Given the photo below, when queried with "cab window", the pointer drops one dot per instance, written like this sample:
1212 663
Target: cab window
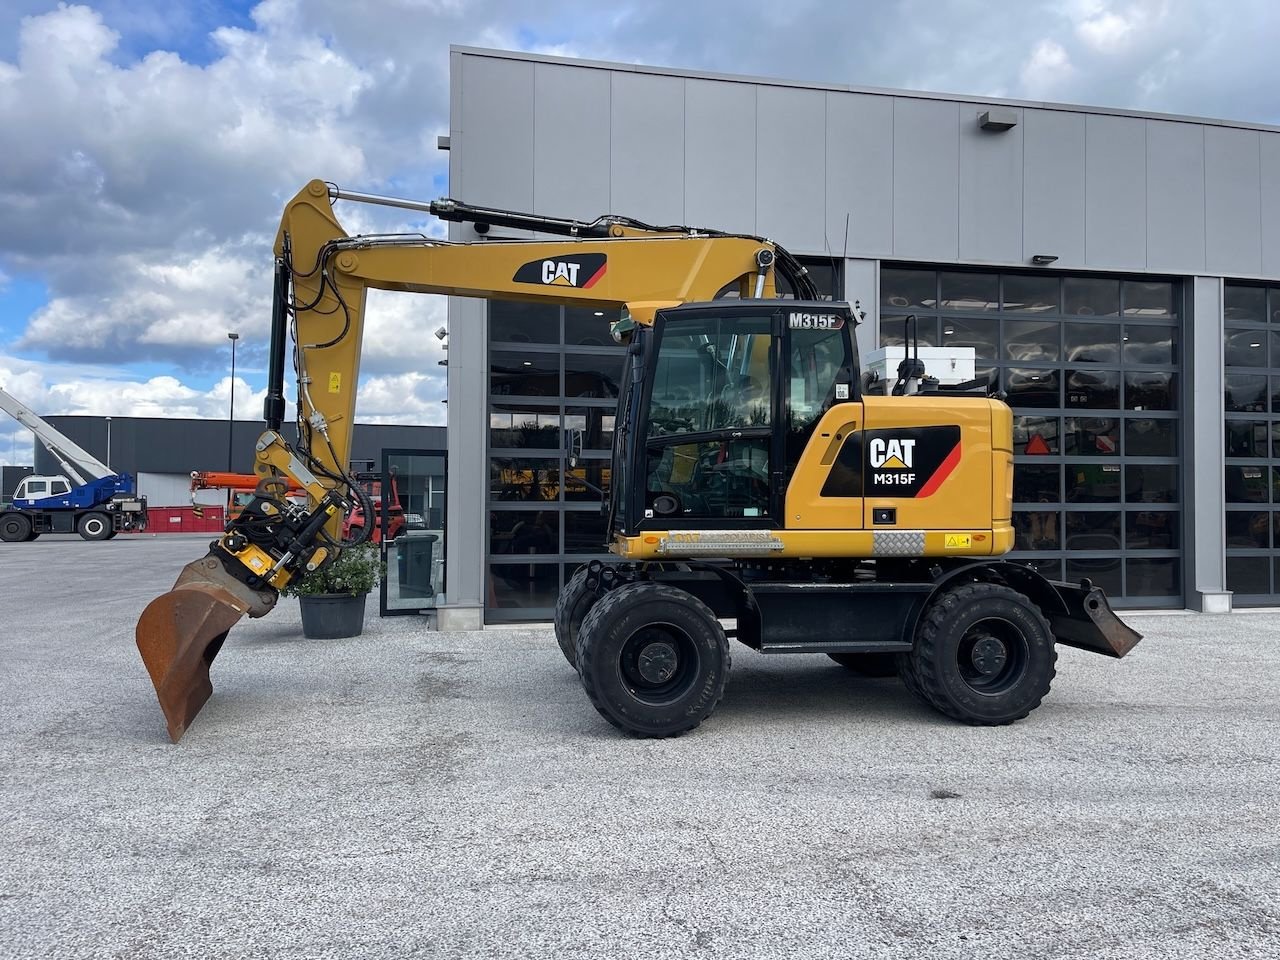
60 487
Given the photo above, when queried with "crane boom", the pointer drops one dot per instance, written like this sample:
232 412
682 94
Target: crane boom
79 464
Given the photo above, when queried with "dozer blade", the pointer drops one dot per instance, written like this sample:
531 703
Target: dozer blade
180 633
1090 623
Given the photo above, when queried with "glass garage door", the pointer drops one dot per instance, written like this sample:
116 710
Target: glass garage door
1251 353
1090 365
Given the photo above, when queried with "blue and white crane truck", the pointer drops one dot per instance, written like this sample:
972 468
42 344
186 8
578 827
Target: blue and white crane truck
90 498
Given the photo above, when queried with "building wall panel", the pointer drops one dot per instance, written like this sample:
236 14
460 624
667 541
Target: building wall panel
926 181
646 151
860 174
991 171
1053 187
1233 200
570 141
791 168
1115 193
720 155
1270 211
1175 197
496 138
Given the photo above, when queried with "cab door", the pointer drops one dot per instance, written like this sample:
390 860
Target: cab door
824 424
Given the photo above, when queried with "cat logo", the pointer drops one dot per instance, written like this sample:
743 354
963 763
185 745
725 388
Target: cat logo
891 455
583 271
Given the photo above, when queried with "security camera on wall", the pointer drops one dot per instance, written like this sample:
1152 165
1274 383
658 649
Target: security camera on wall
442 332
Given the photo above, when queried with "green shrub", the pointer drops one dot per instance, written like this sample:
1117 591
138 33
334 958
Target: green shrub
357 570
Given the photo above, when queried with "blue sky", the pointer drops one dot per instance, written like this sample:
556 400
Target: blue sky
157 141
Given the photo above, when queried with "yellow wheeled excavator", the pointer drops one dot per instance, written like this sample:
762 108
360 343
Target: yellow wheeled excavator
752 479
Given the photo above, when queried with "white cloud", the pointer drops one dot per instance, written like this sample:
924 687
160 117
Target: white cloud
1047 70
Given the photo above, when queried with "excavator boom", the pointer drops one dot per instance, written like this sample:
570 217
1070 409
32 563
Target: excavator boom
322 277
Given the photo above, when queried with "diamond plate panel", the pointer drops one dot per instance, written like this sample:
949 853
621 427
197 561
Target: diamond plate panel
898 543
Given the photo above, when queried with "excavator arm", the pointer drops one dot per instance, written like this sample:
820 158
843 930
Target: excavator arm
322 278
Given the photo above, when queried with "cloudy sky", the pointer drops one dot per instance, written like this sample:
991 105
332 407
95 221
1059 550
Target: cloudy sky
150 144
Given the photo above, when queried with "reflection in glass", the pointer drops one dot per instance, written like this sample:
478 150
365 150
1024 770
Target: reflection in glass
1151 530
1087 530
530 586
1032 388
893 331
1244 348
1151 483
1150 344
1092 436
1035 436
1150 438
415 562
595 423
524 374
1091 342
1155 577
711 479
584 532
1247 438
1103 572
1246 484
1091 297
1245 393
516 322
1150 390
1035 483
1036 530
524 479
970 291
908 288
524 425
1248 528
1049 569
1093 483
1148 298
1245 303
523 531
1031 340
977 332
712 373
592 375
588 327
1249 575
1030 294
1092 388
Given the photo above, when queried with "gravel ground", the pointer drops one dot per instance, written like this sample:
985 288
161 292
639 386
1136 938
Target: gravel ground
410 793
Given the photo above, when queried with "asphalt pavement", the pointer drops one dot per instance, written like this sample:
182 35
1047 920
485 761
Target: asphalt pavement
419 794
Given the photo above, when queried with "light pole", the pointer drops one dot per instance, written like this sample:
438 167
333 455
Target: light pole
231 417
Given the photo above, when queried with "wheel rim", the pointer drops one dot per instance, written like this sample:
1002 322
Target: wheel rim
992 656
659 663
93 526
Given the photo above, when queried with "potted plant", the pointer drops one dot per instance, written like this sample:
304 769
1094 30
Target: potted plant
333 598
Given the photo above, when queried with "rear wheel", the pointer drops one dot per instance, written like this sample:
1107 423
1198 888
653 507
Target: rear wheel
653 659
94 526
15 528
983 655
572 606
868 664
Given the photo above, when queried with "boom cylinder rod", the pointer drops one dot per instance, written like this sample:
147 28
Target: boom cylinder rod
273 405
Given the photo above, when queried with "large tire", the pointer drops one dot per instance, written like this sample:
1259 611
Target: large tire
15 528
94 526
653 659
983 655
868 664
572 606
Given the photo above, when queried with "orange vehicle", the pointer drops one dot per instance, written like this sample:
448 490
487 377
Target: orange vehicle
241 489
354 523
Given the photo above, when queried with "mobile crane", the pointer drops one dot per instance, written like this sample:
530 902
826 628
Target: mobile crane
89 498
751 479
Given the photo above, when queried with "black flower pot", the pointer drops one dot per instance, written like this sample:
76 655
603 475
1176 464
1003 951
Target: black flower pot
331 616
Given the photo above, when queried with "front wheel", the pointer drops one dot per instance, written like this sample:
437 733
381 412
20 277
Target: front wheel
653 659
15 528
983 655
572 606
94 526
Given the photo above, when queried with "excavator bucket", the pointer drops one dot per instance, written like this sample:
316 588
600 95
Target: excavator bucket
180 633
1089 622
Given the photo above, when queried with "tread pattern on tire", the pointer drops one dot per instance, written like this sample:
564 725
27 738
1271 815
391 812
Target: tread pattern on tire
563 622
921 671
603 609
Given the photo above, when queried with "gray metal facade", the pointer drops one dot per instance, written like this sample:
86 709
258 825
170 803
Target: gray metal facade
870 177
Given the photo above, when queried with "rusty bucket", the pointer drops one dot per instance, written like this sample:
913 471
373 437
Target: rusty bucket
180 633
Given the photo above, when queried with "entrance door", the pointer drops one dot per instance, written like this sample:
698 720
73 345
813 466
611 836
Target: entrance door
411 524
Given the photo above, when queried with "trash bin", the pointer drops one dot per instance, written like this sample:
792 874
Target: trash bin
413 563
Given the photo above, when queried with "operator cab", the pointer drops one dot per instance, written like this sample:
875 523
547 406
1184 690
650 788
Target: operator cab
40 488
718 401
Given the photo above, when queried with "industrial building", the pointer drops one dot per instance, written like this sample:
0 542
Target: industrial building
1118 272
